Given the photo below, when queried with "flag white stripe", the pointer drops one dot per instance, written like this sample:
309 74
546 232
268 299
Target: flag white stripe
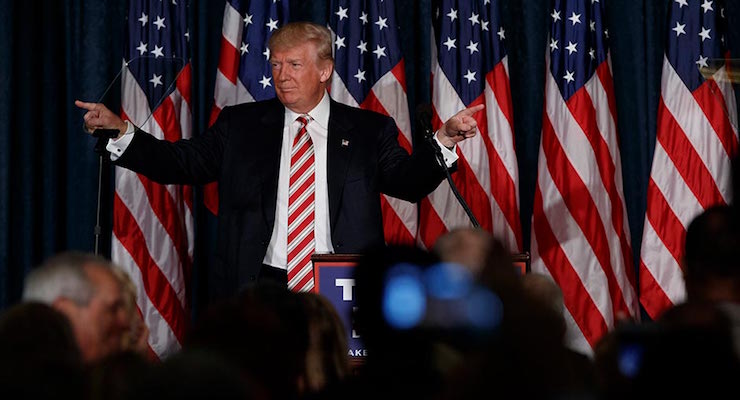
501 132
392 98
227 93
677 194
574 338
581 156
161 337
662 265
728 95
686 111
158 242
233 26
573 243
474 152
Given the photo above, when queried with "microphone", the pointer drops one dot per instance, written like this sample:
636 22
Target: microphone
424 121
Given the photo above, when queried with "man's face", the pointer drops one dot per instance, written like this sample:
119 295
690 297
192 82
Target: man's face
300 76
100 324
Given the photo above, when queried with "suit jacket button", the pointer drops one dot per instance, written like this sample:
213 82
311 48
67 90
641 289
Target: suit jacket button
339 245
252 277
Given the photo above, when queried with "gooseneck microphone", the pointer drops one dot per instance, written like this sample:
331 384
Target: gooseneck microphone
424 120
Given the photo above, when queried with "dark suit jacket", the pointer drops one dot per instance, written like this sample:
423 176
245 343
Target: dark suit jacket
242 152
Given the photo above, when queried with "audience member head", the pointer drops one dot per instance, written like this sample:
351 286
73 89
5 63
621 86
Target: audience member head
85 290
542 289
485 256
193 375
263 332
468 247
687 352
712 257
39 357
372 276
391 319
326 361
117 376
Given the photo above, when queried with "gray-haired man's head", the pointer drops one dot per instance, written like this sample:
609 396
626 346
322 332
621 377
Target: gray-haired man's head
83 287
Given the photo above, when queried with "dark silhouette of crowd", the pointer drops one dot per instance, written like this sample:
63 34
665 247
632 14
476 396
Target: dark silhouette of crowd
456 322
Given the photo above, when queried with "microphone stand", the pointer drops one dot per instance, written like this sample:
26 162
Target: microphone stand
429 136
103 135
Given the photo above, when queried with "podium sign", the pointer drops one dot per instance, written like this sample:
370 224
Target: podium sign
334 279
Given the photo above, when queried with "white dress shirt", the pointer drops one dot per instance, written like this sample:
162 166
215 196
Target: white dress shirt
318 129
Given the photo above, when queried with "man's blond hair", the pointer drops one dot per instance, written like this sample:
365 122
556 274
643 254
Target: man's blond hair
296 33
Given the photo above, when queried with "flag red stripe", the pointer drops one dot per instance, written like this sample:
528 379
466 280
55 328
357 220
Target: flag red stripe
187 194
184 82
430 224
607 82
210 191
575 296
582 108
164 207
652 298
471 190
469 187
372 102
215 111
157 287
687 161
503 188
669 228
576 196
228 62
163 204
709 97
499 83
166 117
399 71
396 231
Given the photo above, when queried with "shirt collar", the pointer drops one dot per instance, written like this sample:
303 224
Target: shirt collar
319 114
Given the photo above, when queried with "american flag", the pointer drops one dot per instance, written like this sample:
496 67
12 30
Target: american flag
369 73
470 67
696 139
244 74
152 223
580 235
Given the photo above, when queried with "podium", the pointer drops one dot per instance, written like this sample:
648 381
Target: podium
334 279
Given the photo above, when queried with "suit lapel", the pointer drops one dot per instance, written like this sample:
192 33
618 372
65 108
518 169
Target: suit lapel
339 154
272 140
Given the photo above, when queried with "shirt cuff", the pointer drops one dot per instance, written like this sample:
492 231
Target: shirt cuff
450 155
116 147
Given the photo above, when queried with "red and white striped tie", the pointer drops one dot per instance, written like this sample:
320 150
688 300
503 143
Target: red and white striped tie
301 194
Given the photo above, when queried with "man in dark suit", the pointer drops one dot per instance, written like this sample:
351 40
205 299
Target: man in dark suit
354 156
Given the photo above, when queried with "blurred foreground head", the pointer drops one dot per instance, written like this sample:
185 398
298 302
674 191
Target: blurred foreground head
263 333
39 357
83 288
712 257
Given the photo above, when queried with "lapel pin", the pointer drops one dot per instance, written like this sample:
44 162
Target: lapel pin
345 143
